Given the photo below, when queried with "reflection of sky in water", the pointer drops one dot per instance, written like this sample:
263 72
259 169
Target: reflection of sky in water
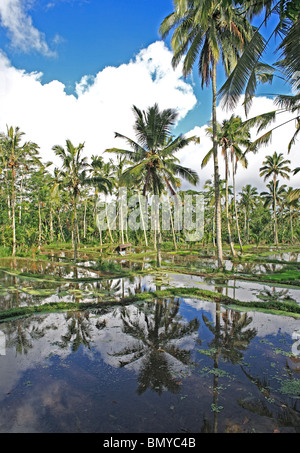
237 289
57 385
18 291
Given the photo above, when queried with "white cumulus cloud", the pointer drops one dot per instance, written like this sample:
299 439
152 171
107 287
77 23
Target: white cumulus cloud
23 34
193 155
101 106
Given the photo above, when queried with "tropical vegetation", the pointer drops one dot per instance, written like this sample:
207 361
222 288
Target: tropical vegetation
45 205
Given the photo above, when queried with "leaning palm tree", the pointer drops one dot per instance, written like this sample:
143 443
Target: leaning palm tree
209 31
152 156
275 166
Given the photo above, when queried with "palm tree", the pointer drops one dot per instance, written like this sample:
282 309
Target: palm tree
14 154
101 183
275 166
291 201
152 155
154 331
249 70
230 135
210 30
74 168
248 201
274 198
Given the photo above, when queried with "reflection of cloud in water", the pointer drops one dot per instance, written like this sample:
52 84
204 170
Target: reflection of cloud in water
111 339
237 289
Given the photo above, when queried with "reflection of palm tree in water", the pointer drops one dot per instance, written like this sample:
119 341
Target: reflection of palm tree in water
155 329
78 331
229 340
20 333
284 413
275 295
111 286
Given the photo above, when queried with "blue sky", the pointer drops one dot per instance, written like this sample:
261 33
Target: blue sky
53 49
87 35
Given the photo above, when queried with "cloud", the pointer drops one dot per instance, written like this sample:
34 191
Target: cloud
193 155
21 31
101 106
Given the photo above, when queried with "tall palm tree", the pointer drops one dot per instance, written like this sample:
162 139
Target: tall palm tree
291 199
101 183
274 166
231 134
249 71
274 198
210 31
15 155
152 155
74 168
74 176
222 141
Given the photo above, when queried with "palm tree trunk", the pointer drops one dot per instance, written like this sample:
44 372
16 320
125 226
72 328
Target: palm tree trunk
158 237
13 205
121 223
172 225
40 226
248 229
214 227
291 223
8 197
108 225
84 221
142 219
235 206
51 224
21 199
275 208
75 229
216 168
158 246
226 202
60 226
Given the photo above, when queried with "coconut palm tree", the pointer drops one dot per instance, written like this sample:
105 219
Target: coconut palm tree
231 134
101 183
274 166
273 198
291 199
209 31
15 155
152 155
285 18
74 168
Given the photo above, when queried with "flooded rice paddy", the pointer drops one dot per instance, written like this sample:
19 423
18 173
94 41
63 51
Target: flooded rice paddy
176 364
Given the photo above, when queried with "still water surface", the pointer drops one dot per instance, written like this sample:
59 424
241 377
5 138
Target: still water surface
165 366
